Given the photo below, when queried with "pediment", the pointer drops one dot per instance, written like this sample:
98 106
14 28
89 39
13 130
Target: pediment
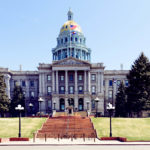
71 62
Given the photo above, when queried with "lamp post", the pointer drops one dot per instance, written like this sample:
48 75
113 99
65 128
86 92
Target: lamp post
54 104
110 108
40 101
19 108
96 102
87 105
30 106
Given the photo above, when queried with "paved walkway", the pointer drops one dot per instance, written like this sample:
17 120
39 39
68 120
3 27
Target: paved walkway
70 142
78 147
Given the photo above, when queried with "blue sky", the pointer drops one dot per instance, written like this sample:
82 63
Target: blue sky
117 31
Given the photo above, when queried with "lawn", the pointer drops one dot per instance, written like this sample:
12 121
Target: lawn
9 126
131 128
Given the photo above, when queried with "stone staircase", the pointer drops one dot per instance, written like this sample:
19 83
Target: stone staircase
67 127
80 113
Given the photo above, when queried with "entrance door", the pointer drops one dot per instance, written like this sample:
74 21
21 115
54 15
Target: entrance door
80 104
62 104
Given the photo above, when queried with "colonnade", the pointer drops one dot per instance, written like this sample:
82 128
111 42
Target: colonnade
55 84
77 53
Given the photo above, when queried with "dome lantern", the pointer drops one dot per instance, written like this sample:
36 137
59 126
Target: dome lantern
70 15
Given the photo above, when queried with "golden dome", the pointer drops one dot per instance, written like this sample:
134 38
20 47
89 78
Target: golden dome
67 27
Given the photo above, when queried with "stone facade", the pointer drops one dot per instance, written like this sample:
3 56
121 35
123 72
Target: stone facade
71 79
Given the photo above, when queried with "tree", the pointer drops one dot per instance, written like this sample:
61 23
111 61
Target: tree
18 98
4 100
138 91
120 108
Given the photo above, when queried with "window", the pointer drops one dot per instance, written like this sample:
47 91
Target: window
103 82
76 39
66 39
80 40
49 90
31 83
110 94
61 41
93 89
71 77
23 83
93 77
71 89
62 78
118 82
32 94
48 78
126 83
110 82
66 27
80 78
80 90
62 89
71 39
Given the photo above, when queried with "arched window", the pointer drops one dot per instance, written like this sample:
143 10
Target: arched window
76 39
80 40
66 39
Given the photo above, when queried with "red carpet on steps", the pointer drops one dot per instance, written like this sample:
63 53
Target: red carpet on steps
67 127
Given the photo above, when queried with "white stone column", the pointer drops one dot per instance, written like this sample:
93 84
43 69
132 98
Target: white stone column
106 88
89 81
101 78
53 81
75 52
56 81
85 88
66 81
76 82
43 81
114 91
98 82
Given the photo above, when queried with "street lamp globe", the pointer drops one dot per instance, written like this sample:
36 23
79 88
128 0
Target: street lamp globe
30 105
110 107
19 107
40 99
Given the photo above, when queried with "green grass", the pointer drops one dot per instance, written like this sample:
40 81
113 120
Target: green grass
9 126
133 129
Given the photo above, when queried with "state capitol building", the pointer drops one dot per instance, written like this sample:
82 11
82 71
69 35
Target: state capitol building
70 80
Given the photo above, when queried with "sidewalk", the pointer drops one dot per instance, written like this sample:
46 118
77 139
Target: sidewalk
68 142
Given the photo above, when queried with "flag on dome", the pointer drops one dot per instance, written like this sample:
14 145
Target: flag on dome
73 27
73 33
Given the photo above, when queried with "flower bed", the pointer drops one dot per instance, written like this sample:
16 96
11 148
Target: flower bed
18 139
121 139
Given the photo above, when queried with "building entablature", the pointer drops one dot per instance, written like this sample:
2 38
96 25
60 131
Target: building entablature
116 72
